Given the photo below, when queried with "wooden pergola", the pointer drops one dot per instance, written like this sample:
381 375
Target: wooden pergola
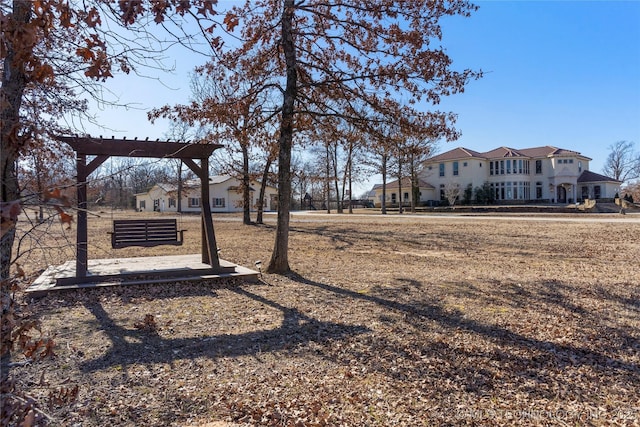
102 149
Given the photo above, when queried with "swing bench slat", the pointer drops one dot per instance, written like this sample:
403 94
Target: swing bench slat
145 232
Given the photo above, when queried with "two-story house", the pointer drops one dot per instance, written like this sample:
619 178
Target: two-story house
541 174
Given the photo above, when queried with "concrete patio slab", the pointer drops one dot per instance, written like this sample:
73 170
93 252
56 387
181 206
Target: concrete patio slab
135 271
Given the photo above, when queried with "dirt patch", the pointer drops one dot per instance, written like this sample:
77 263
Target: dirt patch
386 321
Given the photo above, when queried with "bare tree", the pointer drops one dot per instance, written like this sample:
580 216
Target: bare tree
272 154
417 151
343 59
452 193
181 130
623 162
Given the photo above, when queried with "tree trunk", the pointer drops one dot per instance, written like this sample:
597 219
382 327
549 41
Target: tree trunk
179 201
246 184
383 205
39 185
399 185
279 262
327 185
339 196
415 191
350 187
14 81
263 185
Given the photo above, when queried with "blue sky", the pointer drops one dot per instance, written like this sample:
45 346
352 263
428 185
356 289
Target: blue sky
565 74
560 73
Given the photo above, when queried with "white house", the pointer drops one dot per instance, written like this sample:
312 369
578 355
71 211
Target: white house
223 189
541 174
426 192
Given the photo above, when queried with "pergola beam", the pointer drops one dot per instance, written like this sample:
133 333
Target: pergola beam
137 148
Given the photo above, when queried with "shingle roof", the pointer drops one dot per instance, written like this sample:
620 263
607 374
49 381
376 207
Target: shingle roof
457 153
588 176
549 150
406 183
465 153
217 179
504 152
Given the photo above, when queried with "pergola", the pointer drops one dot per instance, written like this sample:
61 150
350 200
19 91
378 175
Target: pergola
102 149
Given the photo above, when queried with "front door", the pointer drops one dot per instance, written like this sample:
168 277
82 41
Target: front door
562 194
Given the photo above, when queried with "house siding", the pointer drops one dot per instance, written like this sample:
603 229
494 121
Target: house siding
222 190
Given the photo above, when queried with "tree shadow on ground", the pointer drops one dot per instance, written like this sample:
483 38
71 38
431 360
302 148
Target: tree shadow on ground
557 354
146 346
441 352
342 238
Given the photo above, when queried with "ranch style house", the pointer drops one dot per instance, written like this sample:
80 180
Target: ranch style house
530 175
223 189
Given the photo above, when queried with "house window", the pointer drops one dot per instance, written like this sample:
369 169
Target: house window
526 167
442 192
585 192
596 192
538 190
393 198
579 166
501 167
143 205
194 202
490 168
455 168
570 160
508 166
172 202
406 196
441 169
218 202
464 164
538 166
520 166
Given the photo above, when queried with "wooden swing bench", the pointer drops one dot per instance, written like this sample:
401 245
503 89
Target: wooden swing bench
145 232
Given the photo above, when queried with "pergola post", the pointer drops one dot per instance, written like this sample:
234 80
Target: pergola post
83 171
81 238
209 245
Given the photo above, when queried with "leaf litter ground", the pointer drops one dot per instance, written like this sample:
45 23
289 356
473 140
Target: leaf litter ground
390 320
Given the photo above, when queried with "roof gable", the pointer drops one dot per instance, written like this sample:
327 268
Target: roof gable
588 176
504 152
456 153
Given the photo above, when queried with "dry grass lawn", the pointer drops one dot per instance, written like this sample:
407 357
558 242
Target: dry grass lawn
386 321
